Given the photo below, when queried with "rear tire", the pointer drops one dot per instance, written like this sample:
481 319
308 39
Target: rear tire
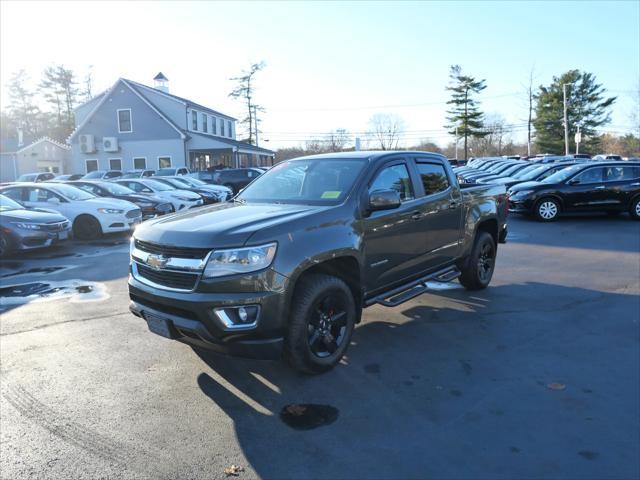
477 273
87 227
547 210
634 211
321 324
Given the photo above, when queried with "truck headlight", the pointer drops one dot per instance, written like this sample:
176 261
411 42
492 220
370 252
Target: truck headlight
239 260
110 210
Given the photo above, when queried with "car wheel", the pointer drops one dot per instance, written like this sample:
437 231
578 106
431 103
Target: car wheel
5 245
635 208
478 269
87 227
321 324
547 210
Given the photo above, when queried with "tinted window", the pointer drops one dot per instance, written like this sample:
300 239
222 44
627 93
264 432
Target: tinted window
590 175
112 174
40 195
13 193
434 177
395 177
617 174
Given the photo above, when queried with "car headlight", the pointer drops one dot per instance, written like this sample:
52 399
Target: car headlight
27 226
110 210
239 260
522 193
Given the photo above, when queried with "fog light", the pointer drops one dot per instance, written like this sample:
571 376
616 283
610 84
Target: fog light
234 318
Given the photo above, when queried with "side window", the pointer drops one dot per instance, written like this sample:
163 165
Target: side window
434 177
394 177
617 174
13 194
590 175
39 195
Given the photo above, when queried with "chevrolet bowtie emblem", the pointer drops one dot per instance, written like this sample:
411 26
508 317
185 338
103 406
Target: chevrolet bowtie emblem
157 261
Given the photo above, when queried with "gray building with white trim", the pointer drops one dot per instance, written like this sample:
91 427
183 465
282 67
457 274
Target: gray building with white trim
132 126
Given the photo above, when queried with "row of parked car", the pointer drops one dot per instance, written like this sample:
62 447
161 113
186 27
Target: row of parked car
550 186
233 178
37 212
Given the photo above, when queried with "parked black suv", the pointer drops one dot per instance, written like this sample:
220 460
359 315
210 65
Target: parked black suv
234 178
290 263
611 187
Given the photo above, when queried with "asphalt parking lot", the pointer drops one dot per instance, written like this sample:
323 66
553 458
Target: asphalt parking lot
535 377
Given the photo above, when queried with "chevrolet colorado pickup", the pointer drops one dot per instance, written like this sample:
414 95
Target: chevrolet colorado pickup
286 266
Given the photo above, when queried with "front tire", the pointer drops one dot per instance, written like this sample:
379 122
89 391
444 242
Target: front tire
477 273
547 210
634 211
321 324
87 227
5 245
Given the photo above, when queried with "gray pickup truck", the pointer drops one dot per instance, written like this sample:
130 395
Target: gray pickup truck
286 267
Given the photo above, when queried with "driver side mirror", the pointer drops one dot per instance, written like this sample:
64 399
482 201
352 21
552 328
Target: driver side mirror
574 181
383 200
54 200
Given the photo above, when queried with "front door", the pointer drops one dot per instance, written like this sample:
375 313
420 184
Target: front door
586 190
392 238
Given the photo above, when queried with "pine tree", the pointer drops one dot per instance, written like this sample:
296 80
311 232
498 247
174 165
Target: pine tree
465 111
587 105
60 89
22 108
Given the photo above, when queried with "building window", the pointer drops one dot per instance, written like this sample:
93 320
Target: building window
92 165
205 128
115 164
164 162
194 120
221 127
124 121
214 126
229 128
140 163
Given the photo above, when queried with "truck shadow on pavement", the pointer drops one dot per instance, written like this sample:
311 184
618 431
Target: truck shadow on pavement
457 386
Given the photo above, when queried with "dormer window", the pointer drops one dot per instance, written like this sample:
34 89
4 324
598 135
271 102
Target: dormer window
194 120
124 121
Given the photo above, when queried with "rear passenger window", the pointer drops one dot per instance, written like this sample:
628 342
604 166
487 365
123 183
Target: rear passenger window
13 194
434 178
395 177
617 174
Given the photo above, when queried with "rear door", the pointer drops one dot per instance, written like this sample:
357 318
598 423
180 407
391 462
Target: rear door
440 212
37 197
621 183
392 238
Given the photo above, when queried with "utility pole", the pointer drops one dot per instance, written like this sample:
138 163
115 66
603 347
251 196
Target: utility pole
255 119
578 139
566 123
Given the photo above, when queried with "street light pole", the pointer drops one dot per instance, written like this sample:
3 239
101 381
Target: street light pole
566 123
456 143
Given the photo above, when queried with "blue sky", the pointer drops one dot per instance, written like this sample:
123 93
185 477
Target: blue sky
334 64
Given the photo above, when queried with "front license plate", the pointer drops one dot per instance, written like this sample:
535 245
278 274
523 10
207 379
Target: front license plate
63 235
159 325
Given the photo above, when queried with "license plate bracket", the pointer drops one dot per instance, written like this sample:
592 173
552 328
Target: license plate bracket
63 235
160 326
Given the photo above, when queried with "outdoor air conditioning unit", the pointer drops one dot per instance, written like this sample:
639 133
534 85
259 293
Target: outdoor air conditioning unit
110 144
87 144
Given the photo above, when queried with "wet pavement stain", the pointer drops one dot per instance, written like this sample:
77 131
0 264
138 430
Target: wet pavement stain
307 416
44 270
75 290
26 289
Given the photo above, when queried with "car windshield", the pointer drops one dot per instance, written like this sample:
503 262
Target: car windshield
159 186
562 175
116 189
72 193
531 174
323 181
513 168
29 177
173 182
192 181
131 175
166 172
525 171
7 204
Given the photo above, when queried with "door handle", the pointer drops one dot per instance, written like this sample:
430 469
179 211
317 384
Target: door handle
600 187
416 215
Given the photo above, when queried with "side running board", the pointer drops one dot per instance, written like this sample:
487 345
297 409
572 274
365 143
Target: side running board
410 290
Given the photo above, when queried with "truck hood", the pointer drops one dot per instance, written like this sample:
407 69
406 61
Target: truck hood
221 225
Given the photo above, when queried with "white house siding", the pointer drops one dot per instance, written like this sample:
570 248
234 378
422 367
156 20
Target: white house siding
149 149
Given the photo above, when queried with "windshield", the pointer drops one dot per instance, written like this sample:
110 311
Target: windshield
29 177
94 174
116 189
512 169
313 182
172 182
72 193
562 175
7 204
165 172
522 173
192 181
158 186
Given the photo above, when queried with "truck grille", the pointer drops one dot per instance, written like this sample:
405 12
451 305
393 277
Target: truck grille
136 212
170 251
168 278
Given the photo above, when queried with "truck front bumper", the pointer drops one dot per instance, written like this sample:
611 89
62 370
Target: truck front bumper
197 317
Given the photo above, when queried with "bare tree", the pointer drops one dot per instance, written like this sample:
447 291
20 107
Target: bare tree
87 92
495 140
245 90
337 140
386 129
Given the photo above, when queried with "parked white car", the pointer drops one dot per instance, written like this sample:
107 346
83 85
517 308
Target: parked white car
180 199
90 216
